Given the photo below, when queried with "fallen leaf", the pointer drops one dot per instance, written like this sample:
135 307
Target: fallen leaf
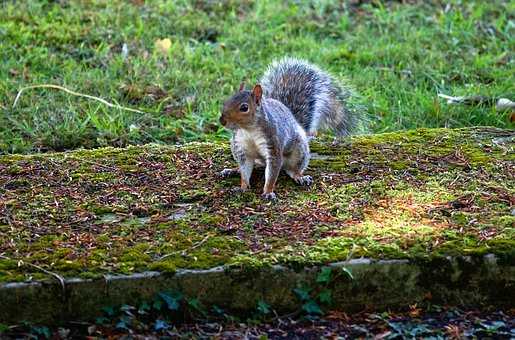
163 45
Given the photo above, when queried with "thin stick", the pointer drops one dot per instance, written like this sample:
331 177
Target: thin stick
55 275
57 87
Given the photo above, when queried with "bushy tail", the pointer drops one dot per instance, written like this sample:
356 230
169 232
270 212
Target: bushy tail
317 100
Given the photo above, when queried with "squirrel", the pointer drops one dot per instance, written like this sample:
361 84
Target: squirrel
272 124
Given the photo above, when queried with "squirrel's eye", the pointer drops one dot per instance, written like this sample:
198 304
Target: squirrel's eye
244 107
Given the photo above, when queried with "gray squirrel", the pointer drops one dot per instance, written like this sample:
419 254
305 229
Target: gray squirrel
273 122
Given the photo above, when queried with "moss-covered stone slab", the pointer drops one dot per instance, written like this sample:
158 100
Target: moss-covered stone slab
427 204
353 285
410 195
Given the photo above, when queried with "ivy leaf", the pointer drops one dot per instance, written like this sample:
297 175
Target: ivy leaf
348 272
43 331
302 293
101 320
325 275
123 323
172 300
160 325
108 310
144 308
127 309
195 304
158 304
218 310
263 307
493 325
311 307
325 296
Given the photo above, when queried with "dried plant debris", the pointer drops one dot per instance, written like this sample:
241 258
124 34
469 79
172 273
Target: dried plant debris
500 104
145 322
421 193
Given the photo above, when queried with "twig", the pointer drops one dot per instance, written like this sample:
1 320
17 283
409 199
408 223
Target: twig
289 315
57 87
500 104
55 275
183 252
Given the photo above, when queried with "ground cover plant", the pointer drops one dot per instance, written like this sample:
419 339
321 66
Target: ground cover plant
414 194
173 315
398 55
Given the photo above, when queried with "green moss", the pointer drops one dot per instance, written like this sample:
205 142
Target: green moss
506 222
465 246
214 251
193 195
103 238
504 249
14 169
209 220
89 275
46 242
98 256
462 218
167 266
400 165
99 177
68 266
136 253
99 209
420 194
6 265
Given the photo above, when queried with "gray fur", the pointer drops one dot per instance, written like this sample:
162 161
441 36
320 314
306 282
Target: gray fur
316 99
275 140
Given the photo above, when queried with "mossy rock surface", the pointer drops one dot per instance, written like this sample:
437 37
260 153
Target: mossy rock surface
415 195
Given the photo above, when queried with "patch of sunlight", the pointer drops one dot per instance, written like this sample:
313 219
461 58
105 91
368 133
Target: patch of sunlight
397 219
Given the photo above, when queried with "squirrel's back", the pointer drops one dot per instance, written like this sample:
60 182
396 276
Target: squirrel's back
316 99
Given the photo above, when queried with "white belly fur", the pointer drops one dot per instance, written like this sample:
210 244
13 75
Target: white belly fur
254 144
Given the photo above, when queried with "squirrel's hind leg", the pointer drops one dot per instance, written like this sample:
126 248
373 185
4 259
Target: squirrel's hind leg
299 178
303 180
296 163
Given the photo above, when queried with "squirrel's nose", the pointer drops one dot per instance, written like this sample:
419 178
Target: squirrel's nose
222 120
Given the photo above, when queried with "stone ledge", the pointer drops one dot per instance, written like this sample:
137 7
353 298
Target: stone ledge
462 280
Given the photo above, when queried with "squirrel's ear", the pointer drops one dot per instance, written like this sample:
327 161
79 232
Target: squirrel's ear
242 86
257 92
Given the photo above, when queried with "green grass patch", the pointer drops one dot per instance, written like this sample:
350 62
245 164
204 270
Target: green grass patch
398 56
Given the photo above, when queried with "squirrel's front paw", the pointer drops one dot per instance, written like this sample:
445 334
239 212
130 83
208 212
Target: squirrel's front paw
269 196
304 180
227 173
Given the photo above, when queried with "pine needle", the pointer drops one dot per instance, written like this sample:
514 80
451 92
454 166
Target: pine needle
57 87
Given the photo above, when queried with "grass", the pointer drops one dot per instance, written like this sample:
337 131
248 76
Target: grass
90 212
398 56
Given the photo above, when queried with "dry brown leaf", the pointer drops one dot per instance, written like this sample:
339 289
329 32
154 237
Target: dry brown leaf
163 45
